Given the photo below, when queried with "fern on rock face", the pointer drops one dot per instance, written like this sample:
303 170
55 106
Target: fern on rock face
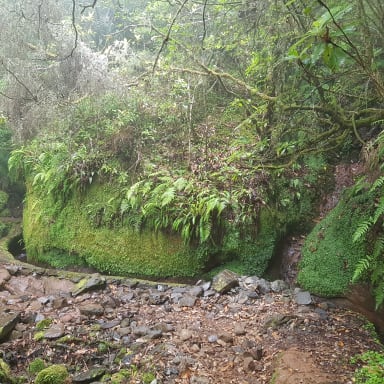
372 231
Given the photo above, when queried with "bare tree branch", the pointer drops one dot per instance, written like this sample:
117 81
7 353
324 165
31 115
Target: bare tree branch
88 6
34 98
167 36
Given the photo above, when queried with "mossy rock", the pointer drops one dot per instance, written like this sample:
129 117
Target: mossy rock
55 374
329 256
67 234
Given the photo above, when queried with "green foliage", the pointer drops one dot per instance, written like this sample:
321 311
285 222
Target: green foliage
5 373
371 266
36 366
43 324
55 374
329 257
372 369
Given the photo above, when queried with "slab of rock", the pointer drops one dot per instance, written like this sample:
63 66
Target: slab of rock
187 301
225 281
89 283
88 376
54 331
279 286
303 298
91 309
8 322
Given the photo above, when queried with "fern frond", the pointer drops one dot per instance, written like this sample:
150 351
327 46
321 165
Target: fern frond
168 196
362 266
378 183
362 230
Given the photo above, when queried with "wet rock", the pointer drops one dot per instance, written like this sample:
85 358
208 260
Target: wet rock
303 298
89 376
91 309
89 283
8 322
54 331
225 281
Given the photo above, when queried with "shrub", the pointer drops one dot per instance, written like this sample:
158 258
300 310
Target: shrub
372 370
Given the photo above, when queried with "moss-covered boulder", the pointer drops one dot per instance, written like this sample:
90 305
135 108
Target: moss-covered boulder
329 256
67 235
55 374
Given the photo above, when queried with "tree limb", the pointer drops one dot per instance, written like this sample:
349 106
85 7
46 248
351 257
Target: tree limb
88 6
167 36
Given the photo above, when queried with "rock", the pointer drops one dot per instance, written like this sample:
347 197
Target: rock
89 376
8 322
199 380
4 276
239 329
225 281
91 309
185 334
303 298
196 291
187 301
277 320
249 364
279 286
54 331
212 338
89 283
226 337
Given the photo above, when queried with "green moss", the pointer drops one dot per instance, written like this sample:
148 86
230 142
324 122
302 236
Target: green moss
118 251
38 336
121 376
36 366
55 374
5 373
329 256
43 324
3 199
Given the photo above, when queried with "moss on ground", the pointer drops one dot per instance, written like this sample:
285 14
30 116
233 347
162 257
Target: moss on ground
55 374
329 256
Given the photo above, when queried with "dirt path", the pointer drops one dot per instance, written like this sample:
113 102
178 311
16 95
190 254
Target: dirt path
175 335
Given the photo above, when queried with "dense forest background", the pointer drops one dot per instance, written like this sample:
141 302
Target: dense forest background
217 122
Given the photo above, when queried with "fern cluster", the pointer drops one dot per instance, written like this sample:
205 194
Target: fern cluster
371 266
183 205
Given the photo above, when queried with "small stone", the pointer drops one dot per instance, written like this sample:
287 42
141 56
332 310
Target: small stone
59 303
196 291
89 283
303 298
249 364
54 331
91 309
212 338
226 337
185 334
89 376
279 286
141 330
239 329
199 380
8 322
187 301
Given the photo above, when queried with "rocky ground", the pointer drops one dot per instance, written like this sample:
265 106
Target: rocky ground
245 330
